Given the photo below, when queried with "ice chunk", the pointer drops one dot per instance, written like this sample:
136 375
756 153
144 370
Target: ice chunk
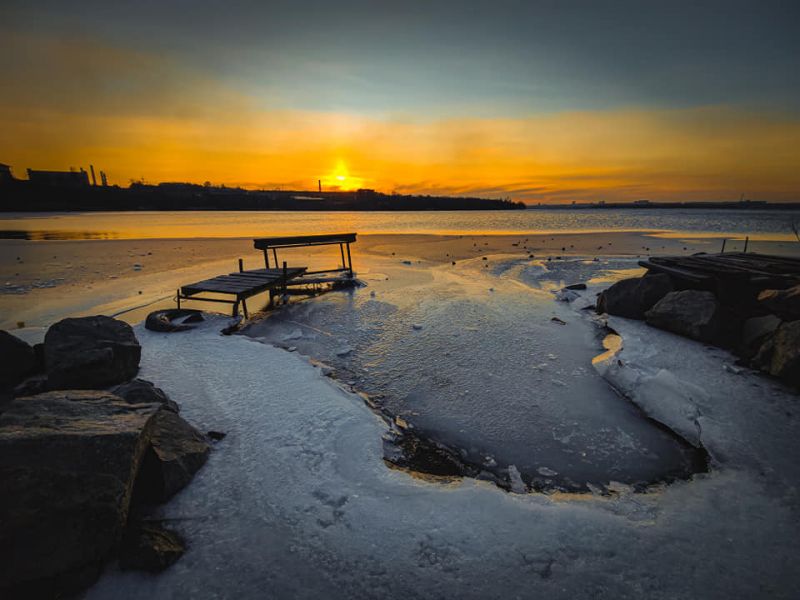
515 479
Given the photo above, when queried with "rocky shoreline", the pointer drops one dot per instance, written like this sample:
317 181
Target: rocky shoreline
86 451
763 330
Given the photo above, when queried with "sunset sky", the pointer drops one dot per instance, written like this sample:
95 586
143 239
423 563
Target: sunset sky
541 101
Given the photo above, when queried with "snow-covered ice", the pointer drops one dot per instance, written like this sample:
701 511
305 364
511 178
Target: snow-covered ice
296 502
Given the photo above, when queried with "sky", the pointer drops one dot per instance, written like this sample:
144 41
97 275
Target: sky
540 101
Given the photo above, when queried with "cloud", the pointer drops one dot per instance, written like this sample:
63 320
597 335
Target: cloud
76 100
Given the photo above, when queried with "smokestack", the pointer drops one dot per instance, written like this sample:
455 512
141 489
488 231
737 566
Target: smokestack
94 179
319 183
103 178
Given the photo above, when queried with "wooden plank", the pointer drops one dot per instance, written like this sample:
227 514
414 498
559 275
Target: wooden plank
736 266
291 272
232 287
303 240
255 277
670 270
242 284
757 271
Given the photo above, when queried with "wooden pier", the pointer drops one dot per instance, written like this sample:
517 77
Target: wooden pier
735 277
238 286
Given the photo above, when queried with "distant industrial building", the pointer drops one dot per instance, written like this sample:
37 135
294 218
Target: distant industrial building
59 178
5 173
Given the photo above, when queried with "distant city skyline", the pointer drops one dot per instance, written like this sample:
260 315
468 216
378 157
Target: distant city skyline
538 101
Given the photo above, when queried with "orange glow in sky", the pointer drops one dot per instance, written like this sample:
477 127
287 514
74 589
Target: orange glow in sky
341 179
76 101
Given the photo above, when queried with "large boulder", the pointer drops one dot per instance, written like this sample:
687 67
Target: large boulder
621 299
632 298
693 313
57 529
177 451
90 353
785 361
68 464
755 332
784 303
141 391
17 359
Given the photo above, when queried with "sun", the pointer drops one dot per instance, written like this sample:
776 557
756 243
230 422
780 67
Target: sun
340 179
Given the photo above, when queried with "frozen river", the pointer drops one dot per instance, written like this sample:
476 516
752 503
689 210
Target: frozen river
482 360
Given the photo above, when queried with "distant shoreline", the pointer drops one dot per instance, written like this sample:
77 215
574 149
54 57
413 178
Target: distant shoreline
28 196
737 205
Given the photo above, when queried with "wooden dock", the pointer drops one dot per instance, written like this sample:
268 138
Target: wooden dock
733 276
241 285
238 286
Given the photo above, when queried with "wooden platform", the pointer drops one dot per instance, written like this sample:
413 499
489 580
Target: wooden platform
756 268
734 276
276 280
241 285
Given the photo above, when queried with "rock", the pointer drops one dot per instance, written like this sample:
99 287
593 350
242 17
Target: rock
652 288
61 526
68 465
784 303
38 351
162 320
575 286
31 386
632 298
693 313
621 299
755 331
149 547
90 353
785 361
141 391
216 435
17 359
177 451
566 295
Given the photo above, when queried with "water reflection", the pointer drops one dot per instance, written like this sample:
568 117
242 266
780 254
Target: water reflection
772 224
56 235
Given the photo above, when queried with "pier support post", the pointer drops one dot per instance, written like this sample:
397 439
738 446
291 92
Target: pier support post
349 261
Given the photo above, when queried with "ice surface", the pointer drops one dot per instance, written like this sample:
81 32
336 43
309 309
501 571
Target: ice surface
296 501
505 374
698 391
